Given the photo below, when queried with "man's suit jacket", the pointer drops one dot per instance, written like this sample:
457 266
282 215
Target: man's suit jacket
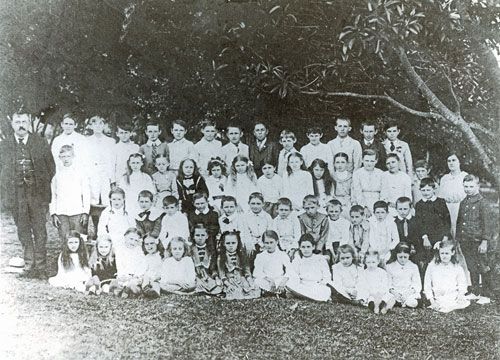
268 153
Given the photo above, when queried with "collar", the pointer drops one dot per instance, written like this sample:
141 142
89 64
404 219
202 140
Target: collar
205 212
368 143
230 218
474 198
157 142
261 143
338 138
201 247
292 150
179 141
24 139
408 217
432 199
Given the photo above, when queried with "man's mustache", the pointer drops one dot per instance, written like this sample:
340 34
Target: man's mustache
21 128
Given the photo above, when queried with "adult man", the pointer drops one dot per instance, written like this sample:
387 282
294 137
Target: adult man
26 169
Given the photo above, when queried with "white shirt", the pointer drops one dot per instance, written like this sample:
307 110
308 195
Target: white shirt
180 150
70 192
338 232
288 230
444 280
257 224
270 188
175 225
178 271
230 151
345 277
130 261
373 282
395 186
321 151
349 146
80 148
404 279
114 222
313 269
383 236
296 186
205 151
273 265
121 153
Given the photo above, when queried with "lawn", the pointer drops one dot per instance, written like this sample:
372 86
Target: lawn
38 321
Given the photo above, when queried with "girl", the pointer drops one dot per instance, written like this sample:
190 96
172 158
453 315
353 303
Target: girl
242 182
406 284
444 282
309 273
115 220
72 265
205 262
271 266
178 275
297 182
153 250
216 182
287 226
134 181
322 181
234 270
343 181
257 221
345 275
103 266
189 182
374 284
367 182
163 181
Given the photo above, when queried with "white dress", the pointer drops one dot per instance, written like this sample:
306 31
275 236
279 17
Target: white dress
345 278
451 189
177 272
270 269
114 222
296 186
72 278
308 278
405 281
374 285
241 190
138 181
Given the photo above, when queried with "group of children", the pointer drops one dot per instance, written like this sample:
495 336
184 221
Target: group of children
323 223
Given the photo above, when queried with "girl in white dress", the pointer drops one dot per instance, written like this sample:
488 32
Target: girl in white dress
242 182
178 275
297 182
367 182
216 182
322 181
345 275
153 251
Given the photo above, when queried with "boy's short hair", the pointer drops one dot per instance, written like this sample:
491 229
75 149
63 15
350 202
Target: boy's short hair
314 130
256 195
227 198
380 205
390 124
421 164
233 125
343 118
310 199
368 123
260 122
392 155
403 200
179 122
285 202
357 209
207 122
287 134
124 126
428 181
95 119
69 115
145 194
333 202
66 149
471 177
200 195
268 161
153 123
370 152
170 200
306 238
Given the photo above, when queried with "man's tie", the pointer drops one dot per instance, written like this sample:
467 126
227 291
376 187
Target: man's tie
392 148
405 227
154 151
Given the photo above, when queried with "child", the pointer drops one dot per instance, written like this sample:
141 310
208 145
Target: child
234 147
421 172
70 137
338 233
153 147
134 181
164 181
432 221
369 130
234 269
72 264
205 262
70 204
189 181
231 220
322 181
383 232
314 223
395 183
297 181
148 220
445 284
395 146
207 148
343 143
405 221
343 180
174 223
256 221
269 185
178 275
309 273
103 266
287 140
316 150
345 275
472 233
216 182
287 226
180 148
367 182
271 266
374 285
241 182
206 216
262 151
404 276
359 231
122 150
153 250
115 219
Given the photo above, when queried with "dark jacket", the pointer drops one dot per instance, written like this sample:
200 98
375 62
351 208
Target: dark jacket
471 221
268 154
432 218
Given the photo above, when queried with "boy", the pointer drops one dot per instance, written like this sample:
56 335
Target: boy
287 140
174 223
339 227
203 214
262 151
359 230
269 185
369 130
153 147
432 221
230 220
367 182
149 218
70 204
208 147
70 137
421 171
395 146
383 232
234 147
122 150
287 226
346 144
472 233
405 221
180 148
316 149
314 223
395 183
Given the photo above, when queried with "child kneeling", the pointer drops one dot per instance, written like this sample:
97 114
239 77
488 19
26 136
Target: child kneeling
103 266
178 275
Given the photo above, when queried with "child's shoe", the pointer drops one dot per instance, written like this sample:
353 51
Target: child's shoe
383 308
91 290
371 306
376 308
125 293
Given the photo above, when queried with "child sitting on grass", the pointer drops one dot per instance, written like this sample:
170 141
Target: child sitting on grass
72 265
345 275
153 251
205 262
103 266
178 275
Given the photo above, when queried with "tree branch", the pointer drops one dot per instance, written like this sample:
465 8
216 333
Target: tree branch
484 130
452 92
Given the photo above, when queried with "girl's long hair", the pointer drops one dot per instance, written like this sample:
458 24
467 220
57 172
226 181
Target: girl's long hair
298 155
81 251
402 247
181 176
129 170
443 244
346 248
217 161
187 249
118 190
250 172
327 178
97 261
240 252
159 246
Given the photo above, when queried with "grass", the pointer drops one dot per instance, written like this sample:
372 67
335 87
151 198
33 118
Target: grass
41 322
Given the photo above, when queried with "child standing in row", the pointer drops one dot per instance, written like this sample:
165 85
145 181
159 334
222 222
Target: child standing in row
393 145
153 147
216 182
395 183
297 181
164 181
208 147
287 226
367 182
234 147
241 182
343 143
315 149
287 141
189 182
269 185
180 148
122 150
